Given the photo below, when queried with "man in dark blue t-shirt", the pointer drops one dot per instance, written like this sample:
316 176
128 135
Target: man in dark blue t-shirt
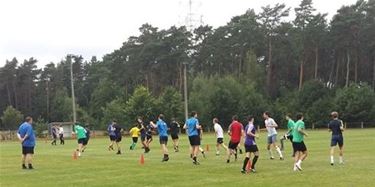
336 127
27 138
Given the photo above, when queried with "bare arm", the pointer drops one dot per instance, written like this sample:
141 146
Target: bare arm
300 130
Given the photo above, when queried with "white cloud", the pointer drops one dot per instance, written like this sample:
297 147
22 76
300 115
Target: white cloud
50 29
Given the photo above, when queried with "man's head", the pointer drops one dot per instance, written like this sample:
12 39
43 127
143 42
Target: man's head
235 118
194 114
334 115
266 115
161 116
114 121
215 120
29 119
299 116
139 119
250 118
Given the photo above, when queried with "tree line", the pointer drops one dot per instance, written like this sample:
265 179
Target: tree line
256 62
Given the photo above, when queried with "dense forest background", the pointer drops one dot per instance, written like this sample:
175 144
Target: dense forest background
256 62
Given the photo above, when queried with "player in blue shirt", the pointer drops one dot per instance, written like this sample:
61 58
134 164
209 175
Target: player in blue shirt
250 145
193 128
27 138
163 136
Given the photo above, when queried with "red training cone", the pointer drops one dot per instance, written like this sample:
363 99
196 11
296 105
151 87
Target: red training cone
248 166
75 155
142 160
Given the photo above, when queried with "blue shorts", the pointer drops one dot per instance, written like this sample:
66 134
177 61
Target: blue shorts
337 139
271 139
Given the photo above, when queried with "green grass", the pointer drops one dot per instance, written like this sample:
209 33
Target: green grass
99 167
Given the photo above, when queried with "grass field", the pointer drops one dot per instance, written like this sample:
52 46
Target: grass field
99 167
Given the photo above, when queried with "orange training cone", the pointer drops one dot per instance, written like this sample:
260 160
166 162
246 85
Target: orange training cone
207 148
248 166
142 160
75 156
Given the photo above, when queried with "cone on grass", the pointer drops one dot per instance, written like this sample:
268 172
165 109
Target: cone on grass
75 155
248 166
142 159
207 148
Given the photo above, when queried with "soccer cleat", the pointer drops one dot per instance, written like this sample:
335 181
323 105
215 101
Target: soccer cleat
243 171
299 167
204 155
165 159
240 151
118 153
272 157
23 166
196 163
228 161
31 166
281 158
331 163
253 170
295 168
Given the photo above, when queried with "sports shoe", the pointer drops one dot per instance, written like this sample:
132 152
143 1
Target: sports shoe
281 158
272 157
243 171
228 161
118 153
240 151
332 164
23 166
295 168
165 159
253 171
299 167
196 163
31 166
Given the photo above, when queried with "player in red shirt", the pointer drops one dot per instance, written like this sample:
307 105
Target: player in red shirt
235 132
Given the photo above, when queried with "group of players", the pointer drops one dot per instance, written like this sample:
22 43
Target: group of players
238 133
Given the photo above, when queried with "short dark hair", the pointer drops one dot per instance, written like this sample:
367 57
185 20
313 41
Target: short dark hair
250 117
267 113
299 116
28 118
114 120
193 113
161 116
235 118
216 120
289 115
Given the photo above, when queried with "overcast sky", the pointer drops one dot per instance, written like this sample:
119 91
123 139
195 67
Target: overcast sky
49 29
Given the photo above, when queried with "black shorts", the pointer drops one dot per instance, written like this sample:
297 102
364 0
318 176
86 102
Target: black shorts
112 138
163 140
149 137
27 150
54 136
81 140
174 136
135 139
118 138
86 141
233 145
195 140
251 148
299 146
337 139
220 140
143 137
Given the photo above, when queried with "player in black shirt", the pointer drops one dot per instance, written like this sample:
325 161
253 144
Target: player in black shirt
118 136
174 129
336 127
54 134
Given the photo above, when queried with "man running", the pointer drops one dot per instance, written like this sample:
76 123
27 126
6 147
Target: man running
298 144
88 133
175 130
143 131
26 136
235 132
272 135
163 136
81 137
250 145
134 132
111 134
54 134
288 135
219 136
118 137
192 126
336 127
61 135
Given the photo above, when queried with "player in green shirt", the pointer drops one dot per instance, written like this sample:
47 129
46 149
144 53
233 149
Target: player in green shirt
81 136
298 144
288 135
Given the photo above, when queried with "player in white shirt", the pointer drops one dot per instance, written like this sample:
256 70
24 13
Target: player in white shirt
61 135
271 135
219 135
